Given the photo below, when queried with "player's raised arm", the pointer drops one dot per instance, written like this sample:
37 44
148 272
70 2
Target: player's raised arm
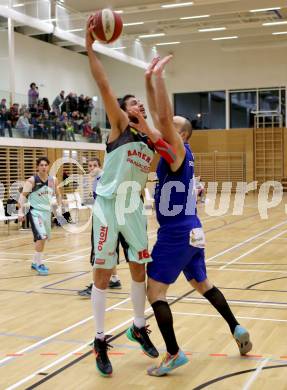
118 119
150 92
165 114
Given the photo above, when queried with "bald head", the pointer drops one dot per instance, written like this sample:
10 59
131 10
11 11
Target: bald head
183 126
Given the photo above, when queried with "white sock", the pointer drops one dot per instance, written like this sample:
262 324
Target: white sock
115 278
38 258
138 297
99 306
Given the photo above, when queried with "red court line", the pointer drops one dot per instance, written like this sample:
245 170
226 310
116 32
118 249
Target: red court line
49 354
252 356
218 354
14 354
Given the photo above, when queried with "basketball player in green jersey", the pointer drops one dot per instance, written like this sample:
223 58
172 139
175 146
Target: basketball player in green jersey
128 158
40 190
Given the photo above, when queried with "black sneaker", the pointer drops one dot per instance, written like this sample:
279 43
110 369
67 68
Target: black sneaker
115 285
86 292
103 363
141 336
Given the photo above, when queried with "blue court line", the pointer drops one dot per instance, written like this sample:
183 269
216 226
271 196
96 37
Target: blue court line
39 338
64 280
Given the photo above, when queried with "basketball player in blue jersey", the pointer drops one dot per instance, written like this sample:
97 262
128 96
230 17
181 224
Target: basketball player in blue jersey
180 241
128 158
40 191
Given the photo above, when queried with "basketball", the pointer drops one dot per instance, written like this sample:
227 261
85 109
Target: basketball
106 25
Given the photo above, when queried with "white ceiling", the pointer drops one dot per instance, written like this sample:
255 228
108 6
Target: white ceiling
234 15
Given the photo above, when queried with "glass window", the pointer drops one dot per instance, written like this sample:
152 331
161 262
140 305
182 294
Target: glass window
242 103
269 100
205 109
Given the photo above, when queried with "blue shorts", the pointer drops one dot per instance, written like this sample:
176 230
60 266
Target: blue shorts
173 254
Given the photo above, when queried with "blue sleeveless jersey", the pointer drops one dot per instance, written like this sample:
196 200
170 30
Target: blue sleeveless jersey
175 193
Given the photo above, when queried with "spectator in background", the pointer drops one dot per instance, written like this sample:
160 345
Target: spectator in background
46 105
33 95
90 105
62 126
82 104
73 102
15 114
58 101
3 103
97 134
70 131
87 128
5 122
24 125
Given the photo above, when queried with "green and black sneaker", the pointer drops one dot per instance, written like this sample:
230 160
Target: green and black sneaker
103 363
141 336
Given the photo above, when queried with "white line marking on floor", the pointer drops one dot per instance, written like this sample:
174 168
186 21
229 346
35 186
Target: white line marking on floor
255 374
54 335
253 249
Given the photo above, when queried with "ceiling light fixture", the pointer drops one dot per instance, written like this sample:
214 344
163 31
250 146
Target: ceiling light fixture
18 5
224 38
195 17
280 33
152 35
119 48
212 29
167 43
175 5
274 23
119 11
265 9
132 24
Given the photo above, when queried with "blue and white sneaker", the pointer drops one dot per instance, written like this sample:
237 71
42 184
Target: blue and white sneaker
168 363
41 269
242 339
34 266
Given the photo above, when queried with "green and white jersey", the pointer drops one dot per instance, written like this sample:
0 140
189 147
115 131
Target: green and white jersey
127 159
41 196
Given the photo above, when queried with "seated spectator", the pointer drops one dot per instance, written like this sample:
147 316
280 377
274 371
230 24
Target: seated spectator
61 128
33 95
5 122
70 131
24 125
87 128
15 114
97 135
58 101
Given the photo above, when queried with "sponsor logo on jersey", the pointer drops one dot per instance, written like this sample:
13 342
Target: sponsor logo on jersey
103 237
100 261
139 154
191 163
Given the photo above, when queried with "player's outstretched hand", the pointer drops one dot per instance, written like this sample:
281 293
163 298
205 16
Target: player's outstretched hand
150 68
159 67
89 28
142 125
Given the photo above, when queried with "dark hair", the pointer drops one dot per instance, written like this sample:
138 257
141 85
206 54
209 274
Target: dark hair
31 85
95 159
123 101
40 159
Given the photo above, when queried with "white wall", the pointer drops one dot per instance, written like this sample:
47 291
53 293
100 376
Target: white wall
207 67
52 68
4 62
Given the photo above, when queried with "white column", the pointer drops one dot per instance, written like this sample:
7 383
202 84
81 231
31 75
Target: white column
11 45
227 110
